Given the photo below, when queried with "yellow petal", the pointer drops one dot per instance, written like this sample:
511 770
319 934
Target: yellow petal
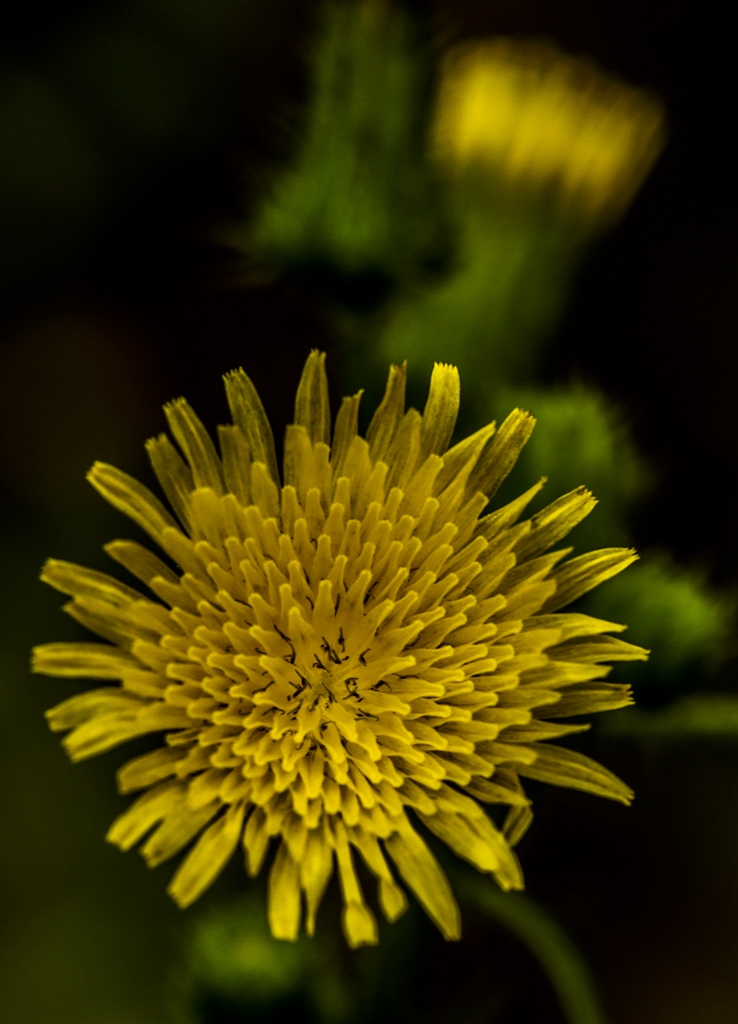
248 414
196 444
255 841
421 872
555 521
140 562
174 476
517 822
210 854
148 769
345 430
392 900
85 706
234 450
93 661
142 815
386 420
579 575
176 831
316 868
441 410
284 908
501 452
569 768
131 498
359 925
312 407
107 731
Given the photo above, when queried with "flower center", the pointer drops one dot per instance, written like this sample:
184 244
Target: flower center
317 688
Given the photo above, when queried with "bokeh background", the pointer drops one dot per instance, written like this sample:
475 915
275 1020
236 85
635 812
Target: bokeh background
133 134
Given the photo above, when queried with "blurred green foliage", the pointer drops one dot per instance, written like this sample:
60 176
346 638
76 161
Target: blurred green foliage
357 215
513 263
232 965
686 624
695 718
580 437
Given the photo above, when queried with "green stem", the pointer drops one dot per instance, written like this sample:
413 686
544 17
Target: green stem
562 962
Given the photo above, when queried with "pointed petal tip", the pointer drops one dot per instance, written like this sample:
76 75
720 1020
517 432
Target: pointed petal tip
98 466
627 797
46 570
312 405
176 897
508 883
441 409
175 403
359 926
520 413
444 369
237 371
583 492
155 439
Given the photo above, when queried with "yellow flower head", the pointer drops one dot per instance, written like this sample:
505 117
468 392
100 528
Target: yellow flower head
532 115
341 657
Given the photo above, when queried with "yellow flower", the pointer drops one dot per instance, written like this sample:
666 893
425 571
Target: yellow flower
530 114
340 657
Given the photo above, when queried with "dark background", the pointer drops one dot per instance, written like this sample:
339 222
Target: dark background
130 133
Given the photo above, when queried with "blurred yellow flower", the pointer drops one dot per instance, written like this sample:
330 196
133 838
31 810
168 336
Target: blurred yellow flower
530 114
339 657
